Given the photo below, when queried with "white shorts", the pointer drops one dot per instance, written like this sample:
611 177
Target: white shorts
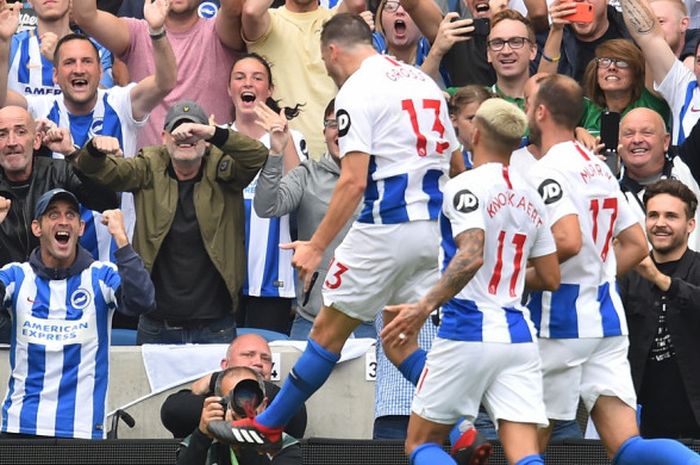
585 368
378 265
459 375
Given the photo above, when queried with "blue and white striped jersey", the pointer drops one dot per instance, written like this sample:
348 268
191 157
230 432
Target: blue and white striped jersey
572 181
59 357
269 271
31 73
499 202
112 116
398 116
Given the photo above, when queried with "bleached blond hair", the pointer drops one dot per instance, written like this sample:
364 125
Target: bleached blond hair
503 122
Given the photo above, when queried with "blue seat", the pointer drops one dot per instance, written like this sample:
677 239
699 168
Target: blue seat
123 337
266 333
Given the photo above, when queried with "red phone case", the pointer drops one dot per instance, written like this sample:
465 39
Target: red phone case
584 13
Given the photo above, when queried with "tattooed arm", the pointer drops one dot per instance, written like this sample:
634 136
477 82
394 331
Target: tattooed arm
407 319
462 268
646 31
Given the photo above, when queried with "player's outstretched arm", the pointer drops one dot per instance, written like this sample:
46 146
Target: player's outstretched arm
346 196
462 268
567 236
630 248
646 32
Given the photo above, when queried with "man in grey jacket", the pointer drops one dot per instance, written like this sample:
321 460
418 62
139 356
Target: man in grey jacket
306 190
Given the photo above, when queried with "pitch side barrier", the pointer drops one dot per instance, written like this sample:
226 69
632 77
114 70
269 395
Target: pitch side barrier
316 451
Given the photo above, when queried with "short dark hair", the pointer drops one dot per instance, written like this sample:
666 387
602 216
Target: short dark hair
563 97
330 109
347 29
68 38
675 188
472 93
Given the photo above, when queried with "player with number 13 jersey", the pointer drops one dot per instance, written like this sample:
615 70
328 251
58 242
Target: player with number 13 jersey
402 122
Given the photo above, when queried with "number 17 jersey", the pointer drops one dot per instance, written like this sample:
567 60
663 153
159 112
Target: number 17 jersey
571 180
397 115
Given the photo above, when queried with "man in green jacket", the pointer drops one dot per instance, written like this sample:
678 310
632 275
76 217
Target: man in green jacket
189 220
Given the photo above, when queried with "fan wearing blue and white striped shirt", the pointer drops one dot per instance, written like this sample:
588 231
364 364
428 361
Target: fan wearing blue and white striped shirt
88 110
61 304
31 51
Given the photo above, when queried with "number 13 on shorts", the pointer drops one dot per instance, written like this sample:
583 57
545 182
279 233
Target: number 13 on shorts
335 274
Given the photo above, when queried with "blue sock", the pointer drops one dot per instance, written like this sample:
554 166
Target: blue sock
638 451
534 459
430 454
309 373
412 366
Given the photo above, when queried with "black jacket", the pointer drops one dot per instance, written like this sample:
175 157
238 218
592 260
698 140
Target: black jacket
198 449
181 411
16 238
643 301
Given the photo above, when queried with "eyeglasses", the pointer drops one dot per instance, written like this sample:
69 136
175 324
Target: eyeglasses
391 6
605 62
515 43
330 124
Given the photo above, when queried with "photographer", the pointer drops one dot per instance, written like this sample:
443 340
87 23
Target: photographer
198 448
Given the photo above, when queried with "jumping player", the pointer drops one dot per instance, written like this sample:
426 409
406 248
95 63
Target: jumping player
582 327
396 142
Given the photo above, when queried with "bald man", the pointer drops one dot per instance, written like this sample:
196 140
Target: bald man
644 145
180 413
24 177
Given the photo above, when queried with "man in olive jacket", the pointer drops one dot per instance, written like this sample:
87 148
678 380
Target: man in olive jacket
662 302
189 220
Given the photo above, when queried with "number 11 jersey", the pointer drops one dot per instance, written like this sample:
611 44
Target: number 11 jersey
572 180
397 115
511 214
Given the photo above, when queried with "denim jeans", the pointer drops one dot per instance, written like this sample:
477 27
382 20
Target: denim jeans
301 327
152 331
390 427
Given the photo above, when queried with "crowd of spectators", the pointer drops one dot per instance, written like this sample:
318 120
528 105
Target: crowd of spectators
217 137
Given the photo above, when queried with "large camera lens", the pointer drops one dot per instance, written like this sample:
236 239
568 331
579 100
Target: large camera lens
246 397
